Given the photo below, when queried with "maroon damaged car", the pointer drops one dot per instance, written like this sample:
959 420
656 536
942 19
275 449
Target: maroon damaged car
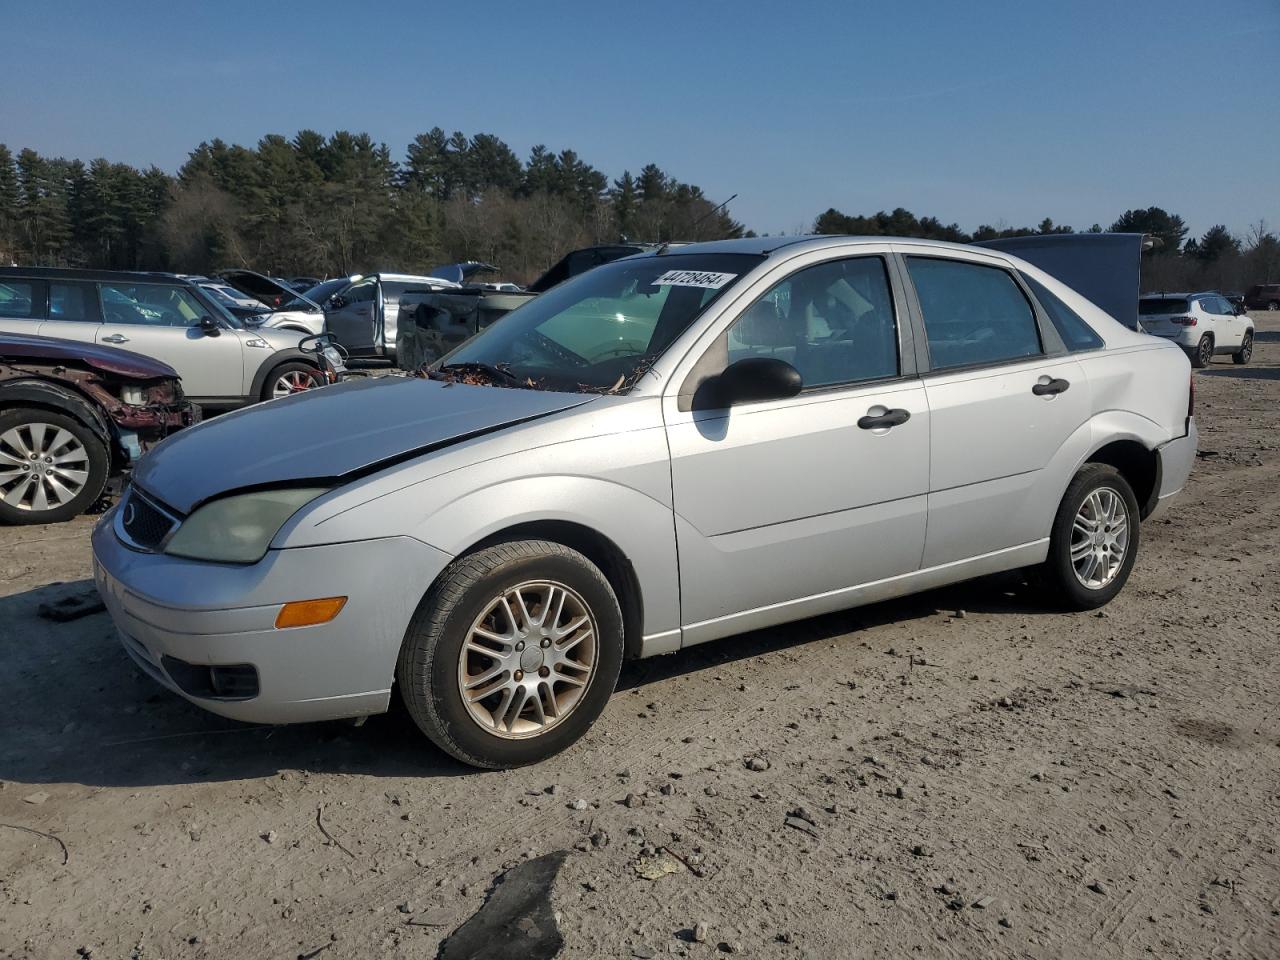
74 417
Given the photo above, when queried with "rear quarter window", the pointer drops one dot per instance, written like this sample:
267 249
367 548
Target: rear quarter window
1075 332
21 299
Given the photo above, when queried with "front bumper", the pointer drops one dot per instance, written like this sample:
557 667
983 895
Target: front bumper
208 614
1176 459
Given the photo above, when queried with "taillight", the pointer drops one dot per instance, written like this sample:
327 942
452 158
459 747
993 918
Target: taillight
1191 397
1183 321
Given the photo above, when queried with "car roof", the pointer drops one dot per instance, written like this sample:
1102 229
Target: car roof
765 246
101 276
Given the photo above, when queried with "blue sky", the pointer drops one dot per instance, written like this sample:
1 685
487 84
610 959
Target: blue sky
973 112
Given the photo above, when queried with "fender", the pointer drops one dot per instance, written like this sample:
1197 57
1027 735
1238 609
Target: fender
42 393
641 527
288 355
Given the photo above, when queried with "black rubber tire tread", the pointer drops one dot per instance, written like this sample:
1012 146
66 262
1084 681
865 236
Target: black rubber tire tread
99 465
277 372
1241 356
426 669
1056 577
1198 360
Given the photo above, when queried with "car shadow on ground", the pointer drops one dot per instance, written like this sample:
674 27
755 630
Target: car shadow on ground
1244 373
75 709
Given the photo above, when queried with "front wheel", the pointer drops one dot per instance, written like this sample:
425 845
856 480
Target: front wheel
513 654
52 467
290 378
1094 540
1245 353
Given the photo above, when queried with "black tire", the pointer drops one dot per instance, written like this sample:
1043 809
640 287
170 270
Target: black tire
427 671
97 465
1057 576
296 370
1202 355
1245 353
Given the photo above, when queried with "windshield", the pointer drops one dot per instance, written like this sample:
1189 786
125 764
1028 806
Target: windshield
323 291
603 330
1158 306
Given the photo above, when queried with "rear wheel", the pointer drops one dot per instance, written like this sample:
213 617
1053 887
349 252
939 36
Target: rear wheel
1094 540
512 654
1202 355
290 378
1245 353
52 467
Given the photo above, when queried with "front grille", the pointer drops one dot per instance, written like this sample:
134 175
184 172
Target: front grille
143 523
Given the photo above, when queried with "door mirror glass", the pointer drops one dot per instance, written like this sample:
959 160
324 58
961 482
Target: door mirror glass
754 379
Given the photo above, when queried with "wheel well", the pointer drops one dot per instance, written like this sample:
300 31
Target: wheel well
1138 465
601 551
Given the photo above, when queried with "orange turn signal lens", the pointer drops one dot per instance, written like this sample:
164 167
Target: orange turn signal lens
307 613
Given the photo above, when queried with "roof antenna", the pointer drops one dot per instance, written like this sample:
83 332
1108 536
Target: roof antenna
711 211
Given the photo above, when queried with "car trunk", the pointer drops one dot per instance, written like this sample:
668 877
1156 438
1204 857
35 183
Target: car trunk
1158 315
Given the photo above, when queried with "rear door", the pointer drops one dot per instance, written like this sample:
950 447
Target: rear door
1230 328
163 321
1006 406
22 305
353 320
74 313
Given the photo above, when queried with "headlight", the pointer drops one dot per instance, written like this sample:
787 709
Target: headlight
238 529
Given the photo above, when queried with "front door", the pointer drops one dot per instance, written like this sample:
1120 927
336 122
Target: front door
163 321
1006 415
782 506
352 318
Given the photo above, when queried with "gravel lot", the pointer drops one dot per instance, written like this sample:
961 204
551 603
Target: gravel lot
958 774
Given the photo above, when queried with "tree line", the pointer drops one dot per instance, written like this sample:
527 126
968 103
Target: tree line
326 206
334 205
1217 260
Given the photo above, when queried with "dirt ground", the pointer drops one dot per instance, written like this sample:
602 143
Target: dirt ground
959 774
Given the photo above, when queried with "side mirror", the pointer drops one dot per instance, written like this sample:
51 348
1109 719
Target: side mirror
209 327
753 379
336 302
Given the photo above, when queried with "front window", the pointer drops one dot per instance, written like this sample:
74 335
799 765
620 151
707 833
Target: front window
152 304
600 331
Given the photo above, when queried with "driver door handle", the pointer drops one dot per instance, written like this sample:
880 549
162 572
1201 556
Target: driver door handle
115 338
890 418
1051 388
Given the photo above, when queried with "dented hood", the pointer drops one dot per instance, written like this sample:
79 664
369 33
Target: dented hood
123 363
332 434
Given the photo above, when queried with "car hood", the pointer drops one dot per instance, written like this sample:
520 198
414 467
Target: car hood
332 435
122 363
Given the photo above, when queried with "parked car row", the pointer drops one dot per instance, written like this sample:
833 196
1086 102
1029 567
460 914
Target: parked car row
664 450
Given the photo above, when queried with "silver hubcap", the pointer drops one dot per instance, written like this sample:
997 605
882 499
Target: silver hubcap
42 467
528 659
295 381
1099 538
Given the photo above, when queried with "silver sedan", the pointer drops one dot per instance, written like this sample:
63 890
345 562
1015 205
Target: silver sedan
670 449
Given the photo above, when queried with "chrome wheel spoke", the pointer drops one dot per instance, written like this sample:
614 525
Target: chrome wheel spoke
1099 538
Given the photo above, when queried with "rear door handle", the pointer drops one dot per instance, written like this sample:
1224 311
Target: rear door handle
890 418
1049 388
116 338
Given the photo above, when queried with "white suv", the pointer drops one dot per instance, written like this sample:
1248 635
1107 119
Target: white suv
1201 323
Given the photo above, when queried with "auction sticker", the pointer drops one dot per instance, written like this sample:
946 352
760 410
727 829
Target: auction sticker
694 278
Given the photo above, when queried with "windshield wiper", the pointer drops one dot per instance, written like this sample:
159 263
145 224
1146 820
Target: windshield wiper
488 369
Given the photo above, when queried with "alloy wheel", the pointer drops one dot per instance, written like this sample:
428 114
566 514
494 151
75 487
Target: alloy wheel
42 467
295 381
1246 348
528 659
1206 352
1099 538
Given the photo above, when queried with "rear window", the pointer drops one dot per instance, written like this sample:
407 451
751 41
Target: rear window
1157 306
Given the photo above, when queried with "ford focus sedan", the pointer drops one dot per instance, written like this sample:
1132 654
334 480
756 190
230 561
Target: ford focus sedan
669 449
